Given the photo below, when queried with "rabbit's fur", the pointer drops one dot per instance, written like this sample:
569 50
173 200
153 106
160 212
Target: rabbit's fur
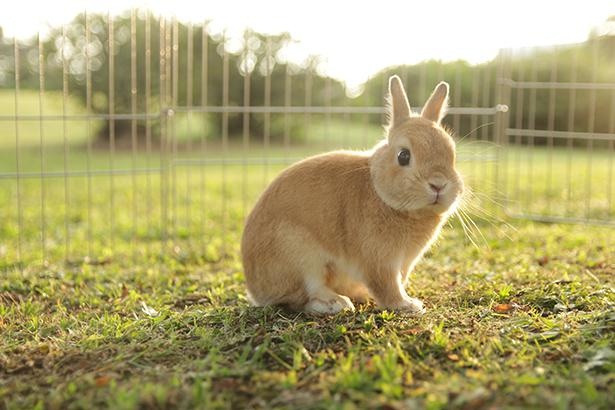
346 225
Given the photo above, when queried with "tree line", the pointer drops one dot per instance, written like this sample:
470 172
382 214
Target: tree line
98 59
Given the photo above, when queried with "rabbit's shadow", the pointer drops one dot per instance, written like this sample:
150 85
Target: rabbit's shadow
247 324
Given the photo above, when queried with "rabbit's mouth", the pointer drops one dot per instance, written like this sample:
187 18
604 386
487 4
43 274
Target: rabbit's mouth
441 202
438 198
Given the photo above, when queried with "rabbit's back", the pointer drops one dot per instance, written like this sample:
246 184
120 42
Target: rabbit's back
320 194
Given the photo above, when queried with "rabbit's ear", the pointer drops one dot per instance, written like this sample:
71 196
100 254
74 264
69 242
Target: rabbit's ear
399 108
435 107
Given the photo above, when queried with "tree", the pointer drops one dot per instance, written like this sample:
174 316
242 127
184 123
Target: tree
84 46
476 86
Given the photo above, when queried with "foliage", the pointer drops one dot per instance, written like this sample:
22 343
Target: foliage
580 110
199 81
197 76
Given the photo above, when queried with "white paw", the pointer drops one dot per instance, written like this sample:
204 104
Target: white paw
413 305
328 306
410 305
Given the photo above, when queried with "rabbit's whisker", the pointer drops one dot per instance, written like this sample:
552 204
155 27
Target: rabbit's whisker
476 129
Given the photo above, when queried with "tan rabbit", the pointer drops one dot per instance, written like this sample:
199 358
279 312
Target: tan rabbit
346 225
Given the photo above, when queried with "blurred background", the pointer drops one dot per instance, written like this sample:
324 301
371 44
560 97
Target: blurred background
149 129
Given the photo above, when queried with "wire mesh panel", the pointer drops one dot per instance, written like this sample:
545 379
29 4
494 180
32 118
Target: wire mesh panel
559 144
79 143
147 140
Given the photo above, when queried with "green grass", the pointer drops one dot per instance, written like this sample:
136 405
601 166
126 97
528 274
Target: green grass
29 131
126 291
321 132
178 332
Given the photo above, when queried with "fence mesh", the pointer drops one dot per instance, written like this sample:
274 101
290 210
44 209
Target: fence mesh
143 138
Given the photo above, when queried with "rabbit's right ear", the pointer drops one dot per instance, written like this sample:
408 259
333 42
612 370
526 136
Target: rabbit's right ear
435 108
399 108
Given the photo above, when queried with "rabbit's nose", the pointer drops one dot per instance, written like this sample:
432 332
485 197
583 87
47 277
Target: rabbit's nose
437 187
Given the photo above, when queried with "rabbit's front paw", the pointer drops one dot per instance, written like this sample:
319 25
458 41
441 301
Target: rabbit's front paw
410 305
330 303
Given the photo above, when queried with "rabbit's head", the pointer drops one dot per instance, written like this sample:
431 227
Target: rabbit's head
414 167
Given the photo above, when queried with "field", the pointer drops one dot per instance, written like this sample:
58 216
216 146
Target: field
125 290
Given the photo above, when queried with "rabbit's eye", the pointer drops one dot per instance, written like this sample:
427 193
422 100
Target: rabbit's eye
403 157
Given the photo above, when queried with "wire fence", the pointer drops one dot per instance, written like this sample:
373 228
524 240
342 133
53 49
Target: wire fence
566 172
161 159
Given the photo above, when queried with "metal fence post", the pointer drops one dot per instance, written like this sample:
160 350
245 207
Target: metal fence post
502 102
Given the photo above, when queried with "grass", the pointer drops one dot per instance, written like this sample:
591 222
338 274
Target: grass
29 131
317 131
526 322
127 292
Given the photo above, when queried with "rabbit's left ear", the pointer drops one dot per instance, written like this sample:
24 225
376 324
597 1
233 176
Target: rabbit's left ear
399 108
435 107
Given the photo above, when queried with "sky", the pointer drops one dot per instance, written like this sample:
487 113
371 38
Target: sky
356 39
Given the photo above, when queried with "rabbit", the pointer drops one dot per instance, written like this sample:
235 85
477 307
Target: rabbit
347 226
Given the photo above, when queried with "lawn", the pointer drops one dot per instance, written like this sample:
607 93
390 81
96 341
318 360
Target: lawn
126 291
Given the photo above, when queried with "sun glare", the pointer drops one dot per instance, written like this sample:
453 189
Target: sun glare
354 40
